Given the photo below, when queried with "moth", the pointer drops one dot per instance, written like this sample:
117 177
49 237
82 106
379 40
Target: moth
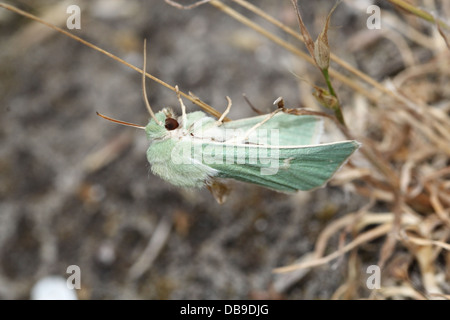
279 151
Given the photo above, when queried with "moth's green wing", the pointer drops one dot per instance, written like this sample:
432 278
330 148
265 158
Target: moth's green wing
295 130
285 169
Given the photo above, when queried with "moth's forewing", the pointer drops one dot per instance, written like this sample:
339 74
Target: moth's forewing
296 130
285 169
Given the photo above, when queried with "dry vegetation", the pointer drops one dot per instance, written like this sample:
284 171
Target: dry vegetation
406 138
402 170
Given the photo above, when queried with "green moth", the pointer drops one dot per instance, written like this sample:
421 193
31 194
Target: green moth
191 151
279 151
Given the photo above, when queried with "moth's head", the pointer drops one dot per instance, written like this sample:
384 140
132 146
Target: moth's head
167 122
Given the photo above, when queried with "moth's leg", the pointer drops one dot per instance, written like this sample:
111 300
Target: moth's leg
219 189
183 107
224 114
256 126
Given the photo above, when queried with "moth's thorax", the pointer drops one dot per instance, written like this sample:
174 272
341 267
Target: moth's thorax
169 135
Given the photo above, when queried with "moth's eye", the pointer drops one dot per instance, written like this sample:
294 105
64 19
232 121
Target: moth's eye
171 124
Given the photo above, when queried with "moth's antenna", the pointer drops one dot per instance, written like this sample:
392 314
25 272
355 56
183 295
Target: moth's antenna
183 107
144 91
128 124
251 105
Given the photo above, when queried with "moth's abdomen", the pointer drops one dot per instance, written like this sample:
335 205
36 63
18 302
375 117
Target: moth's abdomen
172 161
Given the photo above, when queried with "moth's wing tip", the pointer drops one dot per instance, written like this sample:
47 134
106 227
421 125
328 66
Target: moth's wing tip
357 144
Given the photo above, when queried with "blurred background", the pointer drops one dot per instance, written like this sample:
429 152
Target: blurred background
77 190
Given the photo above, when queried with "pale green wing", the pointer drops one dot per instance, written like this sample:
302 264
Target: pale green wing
294 130
285 169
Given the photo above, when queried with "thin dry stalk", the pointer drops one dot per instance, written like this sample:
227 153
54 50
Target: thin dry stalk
198 102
